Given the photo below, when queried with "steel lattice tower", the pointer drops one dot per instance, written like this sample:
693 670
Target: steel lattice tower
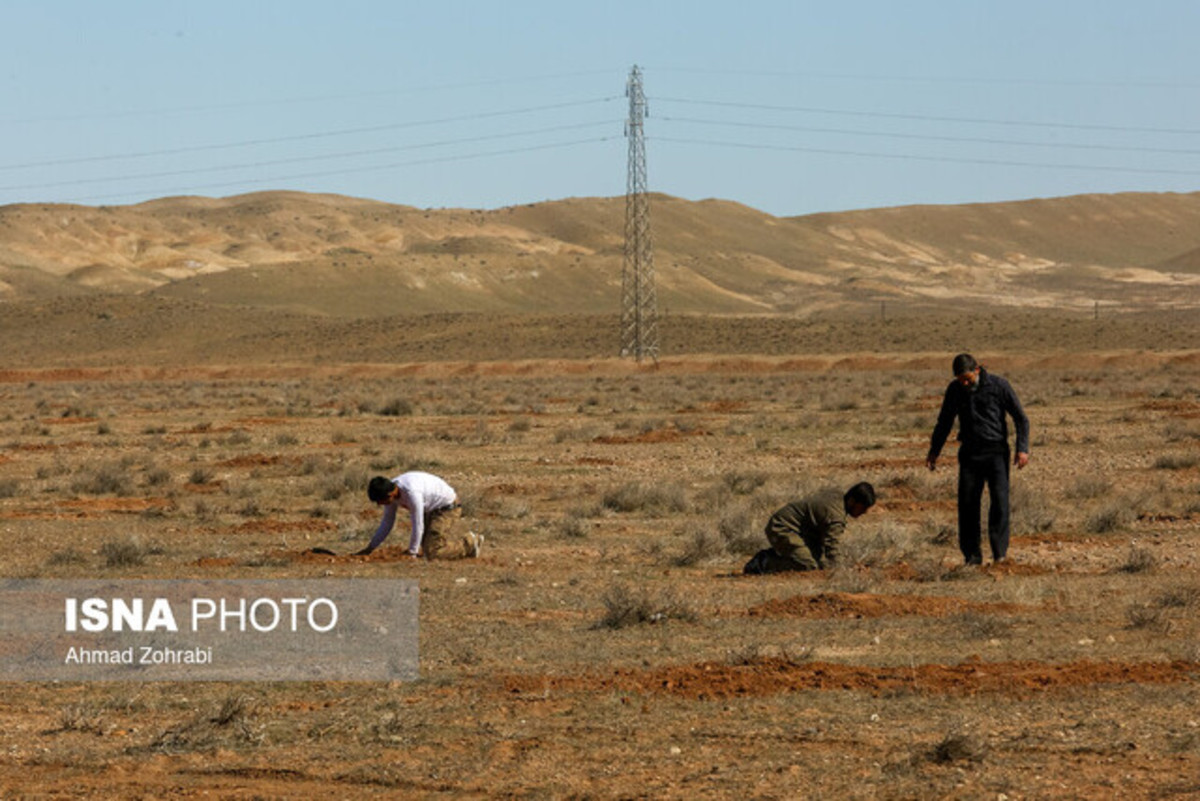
639 307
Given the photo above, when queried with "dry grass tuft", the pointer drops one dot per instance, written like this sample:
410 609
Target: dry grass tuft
625 606
232 724
957 748
653 500
1138 560
123 553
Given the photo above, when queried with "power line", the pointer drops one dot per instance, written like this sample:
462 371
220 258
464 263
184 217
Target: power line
261 103
936 79
913 157
934 138
309 136
349 171
932 118
304 159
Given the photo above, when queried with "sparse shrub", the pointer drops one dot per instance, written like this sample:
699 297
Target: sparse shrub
104 480
233 723
520 425
157 476
397 408
888 543
741 533
312 465
86 717
1113 517
9 487
1175 431
1148 617
1187 597
238 437
574 526
757 654
650 499
1089 487
957 748
1031 511
67 556
584 433
349 480
938 532
390 729
1139 560
744 482
200 475
514 509
704 545
843 401
981 627
629 607
1176 461
125 553
929 570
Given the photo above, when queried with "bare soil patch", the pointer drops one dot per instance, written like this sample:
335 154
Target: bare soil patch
709 680
861 605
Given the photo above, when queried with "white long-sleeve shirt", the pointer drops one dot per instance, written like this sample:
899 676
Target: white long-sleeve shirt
419 493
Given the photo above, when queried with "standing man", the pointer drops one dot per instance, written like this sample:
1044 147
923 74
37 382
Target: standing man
806 534
981 402
434 514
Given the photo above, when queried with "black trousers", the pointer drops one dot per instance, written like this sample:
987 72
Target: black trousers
975 471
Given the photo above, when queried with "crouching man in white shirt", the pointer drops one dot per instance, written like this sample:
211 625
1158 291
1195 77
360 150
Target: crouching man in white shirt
434 514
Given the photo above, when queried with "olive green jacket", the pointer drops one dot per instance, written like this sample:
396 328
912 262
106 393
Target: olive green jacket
818 521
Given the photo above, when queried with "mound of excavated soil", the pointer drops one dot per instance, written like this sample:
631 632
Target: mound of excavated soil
860 605
709 680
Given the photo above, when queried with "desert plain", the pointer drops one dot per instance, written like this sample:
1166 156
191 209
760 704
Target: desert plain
605 644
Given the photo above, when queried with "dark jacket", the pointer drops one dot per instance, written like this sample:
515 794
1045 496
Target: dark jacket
981 410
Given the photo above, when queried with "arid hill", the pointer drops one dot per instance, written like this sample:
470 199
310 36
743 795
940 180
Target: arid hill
347 257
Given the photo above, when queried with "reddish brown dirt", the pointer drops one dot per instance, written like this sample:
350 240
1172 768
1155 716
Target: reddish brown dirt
710 680
861 605
278 526
118 504
389 554
253 460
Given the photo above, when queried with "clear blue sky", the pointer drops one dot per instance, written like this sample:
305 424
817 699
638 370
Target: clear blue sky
789 107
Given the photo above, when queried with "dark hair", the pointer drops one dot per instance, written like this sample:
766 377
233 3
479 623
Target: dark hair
964 363
379 489
862 493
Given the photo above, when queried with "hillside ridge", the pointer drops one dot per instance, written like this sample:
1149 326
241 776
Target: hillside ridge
340 256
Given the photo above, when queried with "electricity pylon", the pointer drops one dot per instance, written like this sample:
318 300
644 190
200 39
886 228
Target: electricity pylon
639 307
